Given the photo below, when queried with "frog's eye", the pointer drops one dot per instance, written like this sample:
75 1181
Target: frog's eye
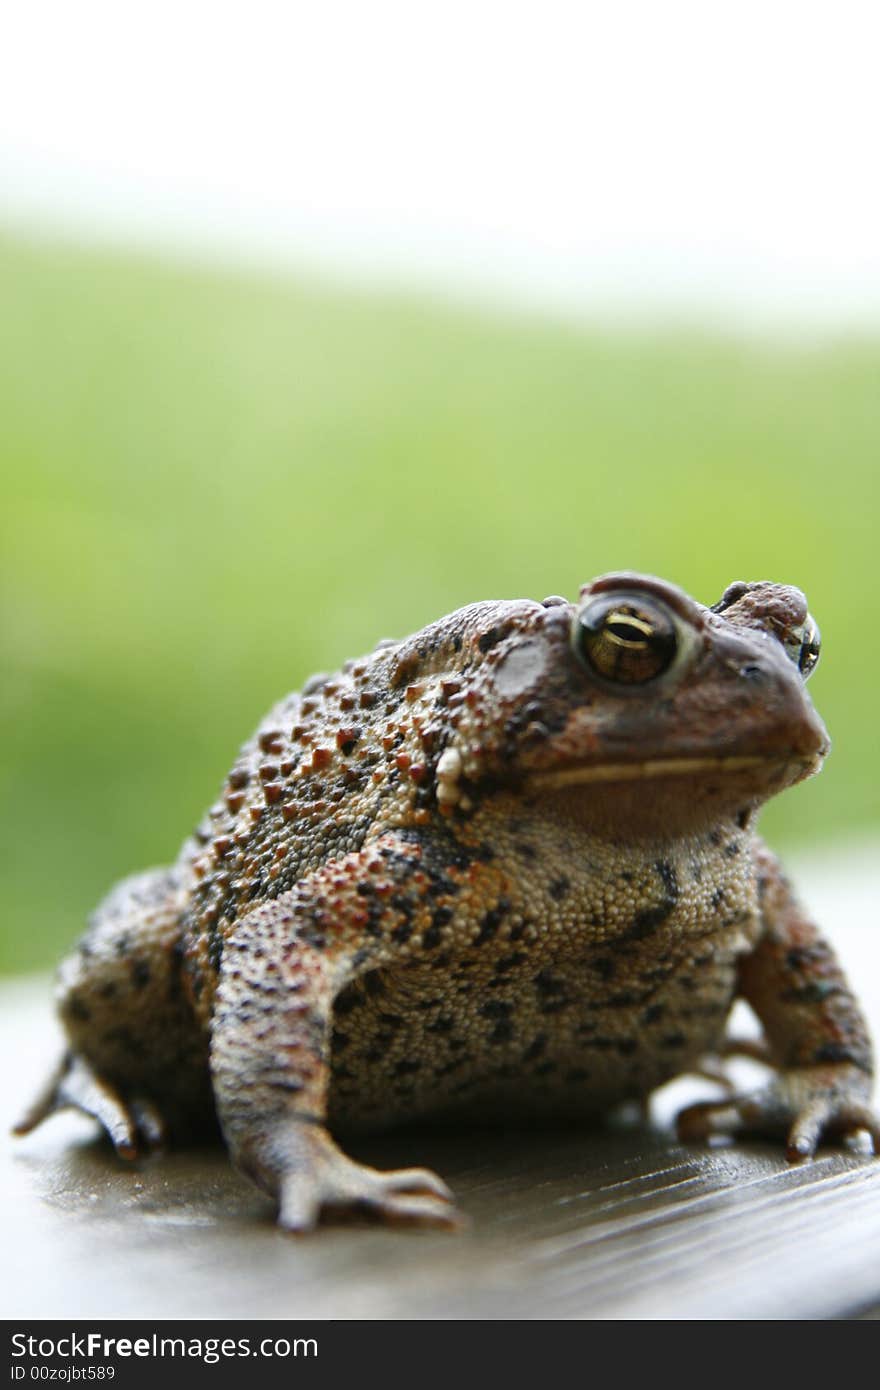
810 646
625 638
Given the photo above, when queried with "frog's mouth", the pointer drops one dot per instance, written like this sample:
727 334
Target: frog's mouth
668 795
561 778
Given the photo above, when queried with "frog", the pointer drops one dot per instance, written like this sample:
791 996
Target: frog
506 868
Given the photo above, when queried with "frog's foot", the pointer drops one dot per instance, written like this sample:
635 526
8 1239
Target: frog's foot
134 1126
300 1165
804 1104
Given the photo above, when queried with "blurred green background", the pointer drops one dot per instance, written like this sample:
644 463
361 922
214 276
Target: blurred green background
214 483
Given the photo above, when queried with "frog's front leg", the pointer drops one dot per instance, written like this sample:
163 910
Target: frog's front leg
815 1034
282 969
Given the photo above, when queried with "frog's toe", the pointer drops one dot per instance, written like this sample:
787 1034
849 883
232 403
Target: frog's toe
74 1085
151 1127
823 1117
415 1209
414 1180
709 1119
803 1105
45 1103
410 1196
311 1177
305 1199
823 1102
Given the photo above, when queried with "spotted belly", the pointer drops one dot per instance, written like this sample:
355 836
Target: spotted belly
563 1038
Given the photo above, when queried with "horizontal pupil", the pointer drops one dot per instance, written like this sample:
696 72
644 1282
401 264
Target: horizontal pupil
629 632
633 644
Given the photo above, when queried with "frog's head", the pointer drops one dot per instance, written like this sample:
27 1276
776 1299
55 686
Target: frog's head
638 709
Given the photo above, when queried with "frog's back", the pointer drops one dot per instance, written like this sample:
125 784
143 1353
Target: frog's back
330 767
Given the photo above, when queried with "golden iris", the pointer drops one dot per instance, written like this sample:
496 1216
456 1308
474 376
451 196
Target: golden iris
625 639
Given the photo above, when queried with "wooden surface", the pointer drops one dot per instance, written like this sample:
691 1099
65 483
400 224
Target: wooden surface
620 1223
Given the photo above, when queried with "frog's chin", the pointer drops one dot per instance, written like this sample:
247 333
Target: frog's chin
667 796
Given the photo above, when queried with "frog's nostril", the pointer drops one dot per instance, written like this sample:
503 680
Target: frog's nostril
752 672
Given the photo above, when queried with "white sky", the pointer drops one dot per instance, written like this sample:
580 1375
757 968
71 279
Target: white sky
695 156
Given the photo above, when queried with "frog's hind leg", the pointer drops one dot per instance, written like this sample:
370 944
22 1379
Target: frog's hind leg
132 1126
136 1059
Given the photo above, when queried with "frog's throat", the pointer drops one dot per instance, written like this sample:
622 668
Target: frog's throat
638 772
